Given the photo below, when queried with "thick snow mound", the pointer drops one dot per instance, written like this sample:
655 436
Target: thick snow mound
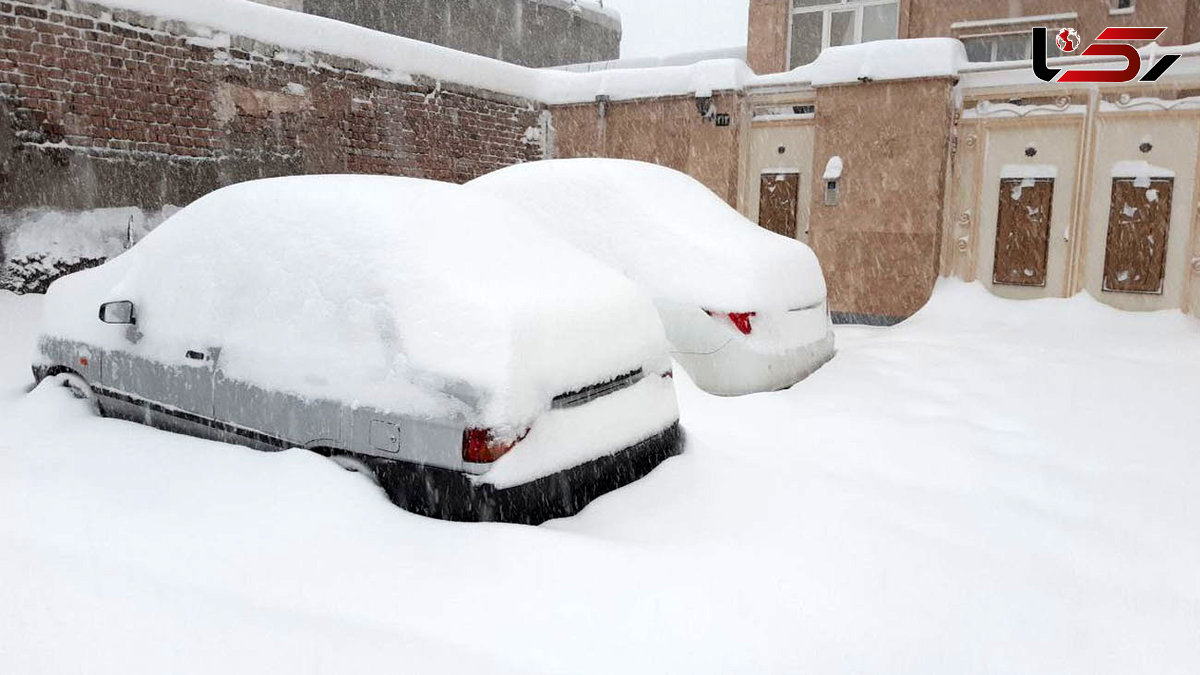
878 60
370 289
401 59
664 230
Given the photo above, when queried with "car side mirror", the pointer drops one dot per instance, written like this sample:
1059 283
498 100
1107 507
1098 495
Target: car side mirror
118 312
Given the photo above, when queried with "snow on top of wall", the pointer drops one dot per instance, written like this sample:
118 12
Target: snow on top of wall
833 168
395 56
1138 168
701 79
878 60
1140 171
591 10
399 59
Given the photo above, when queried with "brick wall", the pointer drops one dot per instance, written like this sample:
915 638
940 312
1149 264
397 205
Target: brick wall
102 107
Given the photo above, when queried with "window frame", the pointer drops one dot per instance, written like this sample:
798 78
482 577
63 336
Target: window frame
1052 50
826 9
1115 8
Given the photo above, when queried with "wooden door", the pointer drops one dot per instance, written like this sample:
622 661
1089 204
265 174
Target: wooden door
1139 219
778 202
1023 231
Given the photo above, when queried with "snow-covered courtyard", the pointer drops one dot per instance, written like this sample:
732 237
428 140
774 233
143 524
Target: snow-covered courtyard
991 486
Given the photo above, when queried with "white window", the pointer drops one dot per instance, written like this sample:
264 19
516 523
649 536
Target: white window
1016 46
817 24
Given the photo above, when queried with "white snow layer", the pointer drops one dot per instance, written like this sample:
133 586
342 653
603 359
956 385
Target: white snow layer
991 487
877 60
1141 171
399 59
75 235
370 289
665 230
833 168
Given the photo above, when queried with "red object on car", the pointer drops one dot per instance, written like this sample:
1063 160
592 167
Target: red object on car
481 447
740 320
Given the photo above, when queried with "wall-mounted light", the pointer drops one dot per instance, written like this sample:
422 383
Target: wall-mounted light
704 106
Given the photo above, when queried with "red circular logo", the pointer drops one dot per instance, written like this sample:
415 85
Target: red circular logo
1067 39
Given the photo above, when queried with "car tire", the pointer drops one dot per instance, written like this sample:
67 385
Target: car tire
353 463
79 388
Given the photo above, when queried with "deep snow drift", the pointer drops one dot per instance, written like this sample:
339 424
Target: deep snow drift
993 486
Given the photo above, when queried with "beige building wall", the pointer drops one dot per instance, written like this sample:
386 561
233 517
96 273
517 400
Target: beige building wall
1004 142
879 246
779 147
1083 140
1176 146
767 34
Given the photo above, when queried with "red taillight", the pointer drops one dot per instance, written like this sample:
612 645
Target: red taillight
740 320
479 446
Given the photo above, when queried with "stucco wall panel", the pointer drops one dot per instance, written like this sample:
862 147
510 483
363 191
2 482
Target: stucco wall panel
766 41
876 275
1176 145
668 131
1057 144
893 138
764 143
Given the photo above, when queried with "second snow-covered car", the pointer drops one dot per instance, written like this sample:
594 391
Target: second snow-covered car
744 308
411 329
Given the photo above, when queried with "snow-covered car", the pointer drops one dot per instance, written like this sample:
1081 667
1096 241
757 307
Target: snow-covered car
414 330
744 308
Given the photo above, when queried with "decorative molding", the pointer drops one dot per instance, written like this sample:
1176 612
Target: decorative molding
1061 106
1126 102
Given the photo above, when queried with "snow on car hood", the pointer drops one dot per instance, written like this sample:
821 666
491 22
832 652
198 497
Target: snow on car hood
664 230
375 290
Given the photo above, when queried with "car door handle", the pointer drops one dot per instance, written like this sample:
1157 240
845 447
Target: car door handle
195 355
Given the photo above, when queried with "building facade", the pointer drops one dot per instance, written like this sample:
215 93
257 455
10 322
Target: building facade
535 33
785 34
983 173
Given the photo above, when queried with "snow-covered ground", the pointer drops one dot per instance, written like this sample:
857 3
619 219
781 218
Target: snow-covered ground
991 486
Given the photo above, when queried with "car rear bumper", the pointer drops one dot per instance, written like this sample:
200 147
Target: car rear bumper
452 495
737 369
